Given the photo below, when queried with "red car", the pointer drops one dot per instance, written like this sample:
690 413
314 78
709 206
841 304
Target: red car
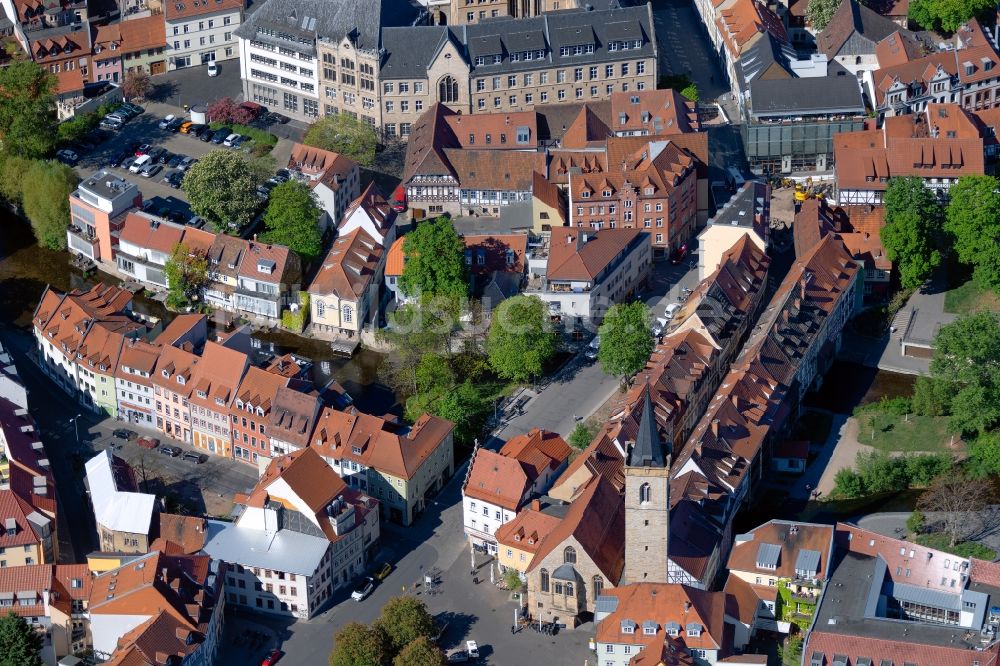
679 254
148 442
399 199
143 150
272 658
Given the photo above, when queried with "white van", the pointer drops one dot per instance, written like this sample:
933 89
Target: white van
140 162
593 348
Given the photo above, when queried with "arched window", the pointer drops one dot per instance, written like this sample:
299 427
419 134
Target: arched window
569 589
644 493
320 309
569 555
448 90
348 314
598 586
544 585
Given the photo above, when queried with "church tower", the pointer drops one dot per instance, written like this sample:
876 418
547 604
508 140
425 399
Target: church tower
647 503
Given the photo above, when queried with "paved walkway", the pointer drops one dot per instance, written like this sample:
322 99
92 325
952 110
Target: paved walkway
840 450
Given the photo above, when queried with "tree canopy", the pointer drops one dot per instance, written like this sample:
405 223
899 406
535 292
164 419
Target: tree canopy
521 338
820 12
405 619
626 339
20 644
967 356
421 652
956 500
435 264
26 103
137 84
221 188
46 187
344 135
292 219
186 273
912 231
226 110
582 436
947 15
357 644
973 220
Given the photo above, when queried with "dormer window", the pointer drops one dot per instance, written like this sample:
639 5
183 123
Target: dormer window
606 193
517 537
202 394
356 450
220 401
266 266
165 373
585 194
694 630
239 404
180 379
628 627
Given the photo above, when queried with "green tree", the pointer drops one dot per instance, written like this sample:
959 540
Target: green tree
690 93
186 273
966 356
405 619
20 645
435 265
12 172
973 220
915 523
626 339
521 338
957 500
791 651
948 15
359 645
820 12
420 652
221 188
413 332
465 406
344 135
582 436
984 455
880 473
45 196
76 127
932 397
912 231
513 580
848 484
292 219
26 104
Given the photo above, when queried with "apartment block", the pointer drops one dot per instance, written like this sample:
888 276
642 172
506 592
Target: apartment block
201 31
97 209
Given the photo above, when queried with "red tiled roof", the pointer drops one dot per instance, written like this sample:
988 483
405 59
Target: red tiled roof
663 603
179 10
148 32
349 267
151 233
573 258
493 248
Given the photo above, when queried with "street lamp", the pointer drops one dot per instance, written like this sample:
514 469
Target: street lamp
76 428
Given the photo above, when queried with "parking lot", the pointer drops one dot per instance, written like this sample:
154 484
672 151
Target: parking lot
145 129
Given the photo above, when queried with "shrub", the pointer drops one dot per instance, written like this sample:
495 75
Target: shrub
940 541
259 136
847 483
295 321
915 523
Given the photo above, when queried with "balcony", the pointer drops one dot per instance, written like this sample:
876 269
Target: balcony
83 242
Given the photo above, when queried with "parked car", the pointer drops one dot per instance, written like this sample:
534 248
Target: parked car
175 124
195 221
166 121
363 588
197 129
678 255
195 457
111 124
128 162
158 154
133 108
67 156
119 158
282 176
264 190
659 326
213 69
207 134
185 127
124 433
240 140
383 571
593 348
220 135
150 170
458 657
228 141
175 179
399 199
277 118
472 648
172 451
175 160
671 310
119 118
272 657
139 163
187 163
148 442
143 149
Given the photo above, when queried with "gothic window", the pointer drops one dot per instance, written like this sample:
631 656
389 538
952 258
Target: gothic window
544 585
569 555
448 90
569 589
598 586
644 493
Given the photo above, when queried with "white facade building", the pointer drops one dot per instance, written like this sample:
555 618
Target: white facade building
201 31
280 71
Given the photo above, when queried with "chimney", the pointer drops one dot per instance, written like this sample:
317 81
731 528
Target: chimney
687 606
715 427
536 505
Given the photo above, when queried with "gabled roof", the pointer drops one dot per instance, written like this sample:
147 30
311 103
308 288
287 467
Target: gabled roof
659 112
117 505
855 27
698 616
349 267
790 539
150 232
180 10
258 388
576 254
293 416
148 32
373 204
218 375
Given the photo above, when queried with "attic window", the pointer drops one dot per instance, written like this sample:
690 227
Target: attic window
694 630
180 379
356 450
606 193
220 401
201 394
266 266
165 372
585 194
628 627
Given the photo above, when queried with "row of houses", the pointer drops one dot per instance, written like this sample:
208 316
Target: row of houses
210 394
88 47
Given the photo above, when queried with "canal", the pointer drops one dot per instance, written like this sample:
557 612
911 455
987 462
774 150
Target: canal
26 268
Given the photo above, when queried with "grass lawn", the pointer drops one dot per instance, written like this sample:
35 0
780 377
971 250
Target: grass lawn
916 433
969 297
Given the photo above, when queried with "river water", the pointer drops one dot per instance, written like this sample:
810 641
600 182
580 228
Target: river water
26 268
